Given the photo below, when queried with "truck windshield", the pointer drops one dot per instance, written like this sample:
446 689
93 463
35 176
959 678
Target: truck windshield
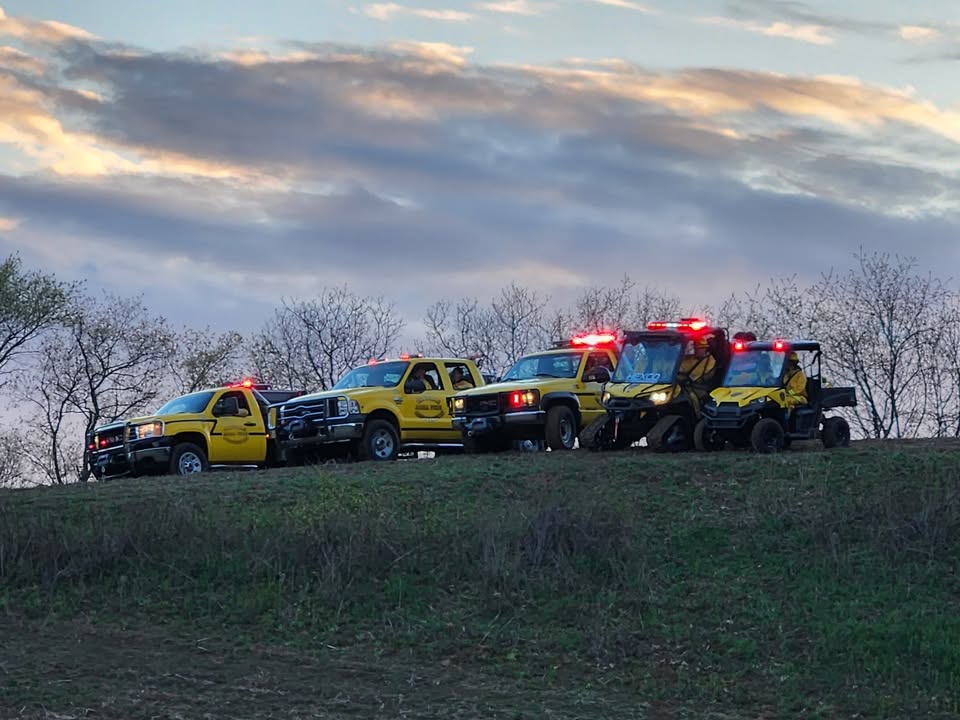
386 374
648 362
193 403
754 368
548 365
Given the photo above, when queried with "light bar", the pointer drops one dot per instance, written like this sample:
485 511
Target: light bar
594 339
691 324
779 345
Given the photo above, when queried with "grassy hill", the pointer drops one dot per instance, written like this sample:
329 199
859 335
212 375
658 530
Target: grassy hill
575 585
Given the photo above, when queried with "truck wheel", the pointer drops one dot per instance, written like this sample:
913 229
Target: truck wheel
561 429
836 433
767 436
705 439
380 441
188 459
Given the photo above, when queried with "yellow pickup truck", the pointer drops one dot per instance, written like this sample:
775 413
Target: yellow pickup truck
220 427
545 399
378 411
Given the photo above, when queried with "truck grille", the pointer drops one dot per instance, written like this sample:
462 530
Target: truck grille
482 404
312 410
109 438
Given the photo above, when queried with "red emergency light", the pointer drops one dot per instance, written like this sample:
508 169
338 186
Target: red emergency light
779 345
372 361
593 339
248 383
684 325
738 345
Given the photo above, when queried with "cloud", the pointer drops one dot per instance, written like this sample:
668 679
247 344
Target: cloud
387 11
918 33
514 7
7 224
626 4
238 179
40 31
13 59
814 34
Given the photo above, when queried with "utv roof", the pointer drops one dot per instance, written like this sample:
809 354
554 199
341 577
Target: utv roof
781 345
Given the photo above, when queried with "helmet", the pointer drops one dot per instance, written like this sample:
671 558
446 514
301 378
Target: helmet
793 358
745 335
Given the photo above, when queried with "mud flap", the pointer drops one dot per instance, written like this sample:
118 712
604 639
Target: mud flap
670 434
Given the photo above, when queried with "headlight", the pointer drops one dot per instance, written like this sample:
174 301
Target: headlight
149 430
659 397
459 404
520 399
605 398
271 418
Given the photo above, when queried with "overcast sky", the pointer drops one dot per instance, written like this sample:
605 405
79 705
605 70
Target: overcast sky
217 156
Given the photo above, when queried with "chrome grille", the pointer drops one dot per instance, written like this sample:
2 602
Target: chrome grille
312 410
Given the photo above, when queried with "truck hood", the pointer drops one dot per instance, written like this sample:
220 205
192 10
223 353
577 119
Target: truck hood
745 395
166 418
352 393
542 384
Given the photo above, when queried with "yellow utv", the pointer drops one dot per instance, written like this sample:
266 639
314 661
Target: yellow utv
663 376
757 407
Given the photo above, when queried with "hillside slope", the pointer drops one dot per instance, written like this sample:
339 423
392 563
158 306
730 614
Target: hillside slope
628 585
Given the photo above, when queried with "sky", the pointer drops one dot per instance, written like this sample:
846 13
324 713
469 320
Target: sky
219 157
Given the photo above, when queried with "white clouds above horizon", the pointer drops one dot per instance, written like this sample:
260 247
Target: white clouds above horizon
813 34
388 11
318 163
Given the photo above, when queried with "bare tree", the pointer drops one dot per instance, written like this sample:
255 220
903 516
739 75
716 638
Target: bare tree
30 302
517 326
107 363
878 324
601 308
654 304
941 376
204 358
310 343
12 470
457 330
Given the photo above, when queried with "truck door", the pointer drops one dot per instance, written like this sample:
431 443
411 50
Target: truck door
426 417
589 392
237 439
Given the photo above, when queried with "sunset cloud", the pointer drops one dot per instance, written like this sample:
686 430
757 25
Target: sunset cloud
387 11
813 34
513 7
42 31
625 4
918 33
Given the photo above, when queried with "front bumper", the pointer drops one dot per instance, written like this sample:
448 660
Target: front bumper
732 418
487 424
304 433
109 464
149 455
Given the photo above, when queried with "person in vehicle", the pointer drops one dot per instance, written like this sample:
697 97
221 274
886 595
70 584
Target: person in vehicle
458 380
420 373
794 381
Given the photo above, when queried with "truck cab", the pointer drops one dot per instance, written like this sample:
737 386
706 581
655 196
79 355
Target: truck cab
217 428
377 411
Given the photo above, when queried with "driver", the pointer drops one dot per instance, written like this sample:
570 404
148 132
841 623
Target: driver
794 381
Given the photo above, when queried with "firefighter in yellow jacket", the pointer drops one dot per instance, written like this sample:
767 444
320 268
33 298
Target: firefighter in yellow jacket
794 381
696 370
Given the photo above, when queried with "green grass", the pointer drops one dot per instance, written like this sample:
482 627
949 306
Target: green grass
811 584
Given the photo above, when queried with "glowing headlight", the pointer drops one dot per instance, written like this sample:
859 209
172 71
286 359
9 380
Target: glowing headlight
346 406
658 397
149 430
459 404
523 399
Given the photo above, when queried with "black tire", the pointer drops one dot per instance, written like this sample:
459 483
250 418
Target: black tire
561 428
670 434
380 441
767 436
706 440
188 459
836 433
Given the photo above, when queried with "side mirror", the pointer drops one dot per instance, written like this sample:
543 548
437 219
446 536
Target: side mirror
414 385
227 407
598 374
